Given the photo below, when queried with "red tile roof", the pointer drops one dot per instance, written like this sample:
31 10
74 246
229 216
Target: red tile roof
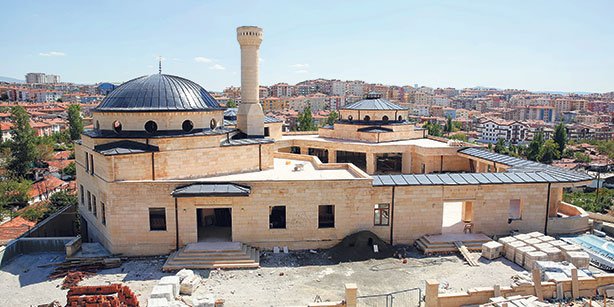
48 184
14 228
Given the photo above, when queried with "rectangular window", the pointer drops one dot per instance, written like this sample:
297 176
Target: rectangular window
515 211
92 164
267 131
94 205
157 219
82 196
277 217
89 201
103 214
326 216
381 215
87 162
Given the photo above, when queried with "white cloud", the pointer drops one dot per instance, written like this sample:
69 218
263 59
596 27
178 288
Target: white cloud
52 53
217 67
299 65
202 59
301 71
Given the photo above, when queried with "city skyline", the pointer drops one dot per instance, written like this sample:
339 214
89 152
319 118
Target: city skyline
432 44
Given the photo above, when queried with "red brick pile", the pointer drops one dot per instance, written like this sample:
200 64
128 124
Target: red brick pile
114 295
72 279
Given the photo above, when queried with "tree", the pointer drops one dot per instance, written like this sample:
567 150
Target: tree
434 129
500 146
23 144
70 170
560 136
60 200
582 157
549 152
14 192
459 136
535 146
305 120
448 127
231 103
4 97
75 121
332 118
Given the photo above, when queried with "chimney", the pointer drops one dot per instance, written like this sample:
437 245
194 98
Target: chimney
250 118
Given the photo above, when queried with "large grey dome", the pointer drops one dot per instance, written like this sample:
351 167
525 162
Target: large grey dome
157 93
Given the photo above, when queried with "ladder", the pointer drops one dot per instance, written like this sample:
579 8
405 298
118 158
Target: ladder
465 252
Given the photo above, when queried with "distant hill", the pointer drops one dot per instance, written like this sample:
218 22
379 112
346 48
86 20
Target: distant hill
11 80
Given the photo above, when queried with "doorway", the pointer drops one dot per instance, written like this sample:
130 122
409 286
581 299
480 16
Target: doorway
452 217
214 224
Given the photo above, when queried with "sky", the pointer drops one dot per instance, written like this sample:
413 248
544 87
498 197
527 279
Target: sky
535 45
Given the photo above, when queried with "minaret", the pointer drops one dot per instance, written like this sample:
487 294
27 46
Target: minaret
250 118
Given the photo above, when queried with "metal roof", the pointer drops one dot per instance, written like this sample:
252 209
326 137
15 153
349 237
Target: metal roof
128 134
373 101
124 147
230 117
211 189
520 171
156 93
374 129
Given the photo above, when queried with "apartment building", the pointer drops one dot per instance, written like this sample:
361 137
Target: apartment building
514 132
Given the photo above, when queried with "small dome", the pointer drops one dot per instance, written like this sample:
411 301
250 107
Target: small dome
373 101
156 93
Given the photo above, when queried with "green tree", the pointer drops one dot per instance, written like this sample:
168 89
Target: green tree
582 157
332 118
75 121
448 127
305 120
500 146
434 129
60 200
23 145
535 146
231 103
460 137
14 192
560 136
70 170
549 152
599 202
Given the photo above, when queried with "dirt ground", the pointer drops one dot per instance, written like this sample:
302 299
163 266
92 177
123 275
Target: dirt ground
293 279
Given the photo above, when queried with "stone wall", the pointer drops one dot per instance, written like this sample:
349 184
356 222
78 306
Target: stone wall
135 121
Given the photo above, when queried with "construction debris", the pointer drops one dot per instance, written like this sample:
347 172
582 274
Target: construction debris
465 252
114 295
517 300
359 247
492 250
89 265
72 279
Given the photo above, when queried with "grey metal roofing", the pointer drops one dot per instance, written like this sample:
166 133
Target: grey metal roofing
158 92
520 171
230 117
246 141
124 147
211 189
374 129
373 101
127 134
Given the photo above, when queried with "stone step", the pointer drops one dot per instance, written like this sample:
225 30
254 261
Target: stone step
171 267
204 256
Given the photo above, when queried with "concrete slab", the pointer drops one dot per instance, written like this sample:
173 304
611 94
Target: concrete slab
173 281
163 291
213 246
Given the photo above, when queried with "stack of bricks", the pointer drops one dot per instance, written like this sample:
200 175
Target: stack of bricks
510 252
520 253
492 250
580 259
110 295
531 257
506 243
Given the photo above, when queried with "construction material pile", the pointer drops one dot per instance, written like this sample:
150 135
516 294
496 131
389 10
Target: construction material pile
114 295
361 246
89 265
517 300
170 289
72 279
527 249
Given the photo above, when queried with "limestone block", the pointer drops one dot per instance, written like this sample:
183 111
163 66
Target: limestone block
511 249
163 291
579 259
492 250
207 300
554 254
542 246
566 249
189 284
522 237
521 252
535 234
531 257
184 273
158 302
557 243
547 238
532 241
173 281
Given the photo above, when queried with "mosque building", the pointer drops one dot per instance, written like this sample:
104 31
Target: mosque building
162 169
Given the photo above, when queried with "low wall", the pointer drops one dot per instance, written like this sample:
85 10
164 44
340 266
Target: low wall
575 221
601 217
579 287
23 246
317 164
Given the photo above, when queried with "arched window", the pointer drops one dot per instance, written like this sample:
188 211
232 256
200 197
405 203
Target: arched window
385 118
187 125
350 117
367 118
97 126
151 126
212 124
117 126
400 118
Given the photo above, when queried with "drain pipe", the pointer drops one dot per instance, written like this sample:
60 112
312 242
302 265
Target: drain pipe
392 216
176 227
547 210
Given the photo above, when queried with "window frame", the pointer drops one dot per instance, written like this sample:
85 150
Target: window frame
376 209
520 209
321 224
103 214
159 209
285 223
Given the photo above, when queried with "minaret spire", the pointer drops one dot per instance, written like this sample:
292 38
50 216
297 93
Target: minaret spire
160 65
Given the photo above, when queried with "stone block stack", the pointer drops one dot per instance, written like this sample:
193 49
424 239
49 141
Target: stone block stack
492 250
530 258
520 253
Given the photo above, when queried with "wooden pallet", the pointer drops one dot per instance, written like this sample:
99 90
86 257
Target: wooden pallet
465 252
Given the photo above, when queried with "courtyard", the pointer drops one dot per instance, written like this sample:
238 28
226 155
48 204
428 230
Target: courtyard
293 279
